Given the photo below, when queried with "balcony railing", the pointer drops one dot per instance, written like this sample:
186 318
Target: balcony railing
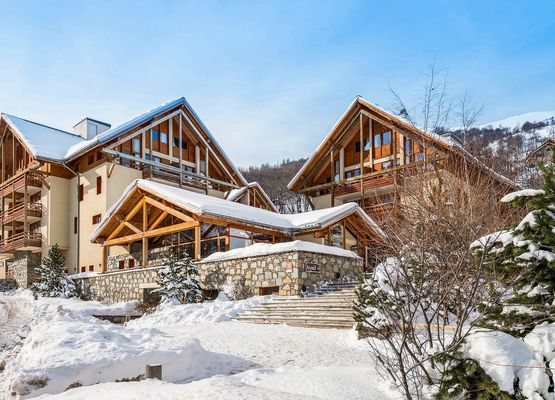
172 177
17 213
20 241
18 182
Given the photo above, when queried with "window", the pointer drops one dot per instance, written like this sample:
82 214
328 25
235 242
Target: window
357 147
83 269
98 184
377 140
163 137
419 157
386 137
155 135
91 268
75 225
203 167
96 219
137 145
156 159
336 169
408 151
386 165
352 173
81 193
131 263
176 143
366 144
121 264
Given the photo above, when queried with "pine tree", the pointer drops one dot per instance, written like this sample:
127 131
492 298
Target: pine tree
524 258
52 281
178 280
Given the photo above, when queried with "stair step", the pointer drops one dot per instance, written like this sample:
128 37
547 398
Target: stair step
308 307
295 318
338 313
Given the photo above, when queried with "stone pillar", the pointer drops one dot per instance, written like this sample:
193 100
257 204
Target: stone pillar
23 268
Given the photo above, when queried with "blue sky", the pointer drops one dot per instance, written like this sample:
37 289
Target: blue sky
268 78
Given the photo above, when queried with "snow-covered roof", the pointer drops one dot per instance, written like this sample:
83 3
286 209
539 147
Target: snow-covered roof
123 127
43 141
236 194
259 249
201 204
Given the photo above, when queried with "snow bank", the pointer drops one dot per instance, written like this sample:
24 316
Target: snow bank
184 314
83 308
260 249
63 350
522 193
542 340
506 358
317 383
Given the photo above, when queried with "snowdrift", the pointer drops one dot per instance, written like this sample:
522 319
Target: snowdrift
67 350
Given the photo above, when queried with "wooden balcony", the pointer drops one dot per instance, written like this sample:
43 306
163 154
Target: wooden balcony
21 241
380 212
386 179
172 178
25 181
17 213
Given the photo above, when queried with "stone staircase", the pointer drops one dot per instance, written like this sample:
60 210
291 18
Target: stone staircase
331 306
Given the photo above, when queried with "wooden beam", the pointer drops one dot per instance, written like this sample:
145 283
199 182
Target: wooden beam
129 215
132 227
103 259
361 127
145 224
151 233
169 209
197 242
158 220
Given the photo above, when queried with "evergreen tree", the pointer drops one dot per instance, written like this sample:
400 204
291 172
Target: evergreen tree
524 258
178 279
52 281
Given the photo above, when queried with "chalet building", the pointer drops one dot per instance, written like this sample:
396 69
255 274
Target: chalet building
114 198
369 153
543 153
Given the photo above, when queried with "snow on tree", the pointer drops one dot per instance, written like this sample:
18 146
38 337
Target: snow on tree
52 281
178 280
524 257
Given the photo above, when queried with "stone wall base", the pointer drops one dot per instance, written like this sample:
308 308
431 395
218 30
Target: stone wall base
22 268
287 274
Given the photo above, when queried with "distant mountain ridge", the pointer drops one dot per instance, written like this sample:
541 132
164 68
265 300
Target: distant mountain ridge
504 144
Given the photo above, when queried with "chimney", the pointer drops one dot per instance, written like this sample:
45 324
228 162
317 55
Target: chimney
89 128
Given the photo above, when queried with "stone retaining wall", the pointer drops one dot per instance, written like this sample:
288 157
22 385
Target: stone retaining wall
290 272
121 285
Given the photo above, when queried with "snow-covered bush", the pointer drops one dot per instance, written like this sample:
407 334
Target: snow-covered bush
178 280
51 279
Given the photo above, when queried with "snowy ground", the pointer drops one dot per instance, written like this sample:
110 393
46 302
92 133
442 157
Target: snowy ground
204 355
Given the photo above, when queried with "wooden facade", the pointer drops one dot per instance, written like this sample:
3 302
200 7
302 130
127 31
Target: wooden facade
368 154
